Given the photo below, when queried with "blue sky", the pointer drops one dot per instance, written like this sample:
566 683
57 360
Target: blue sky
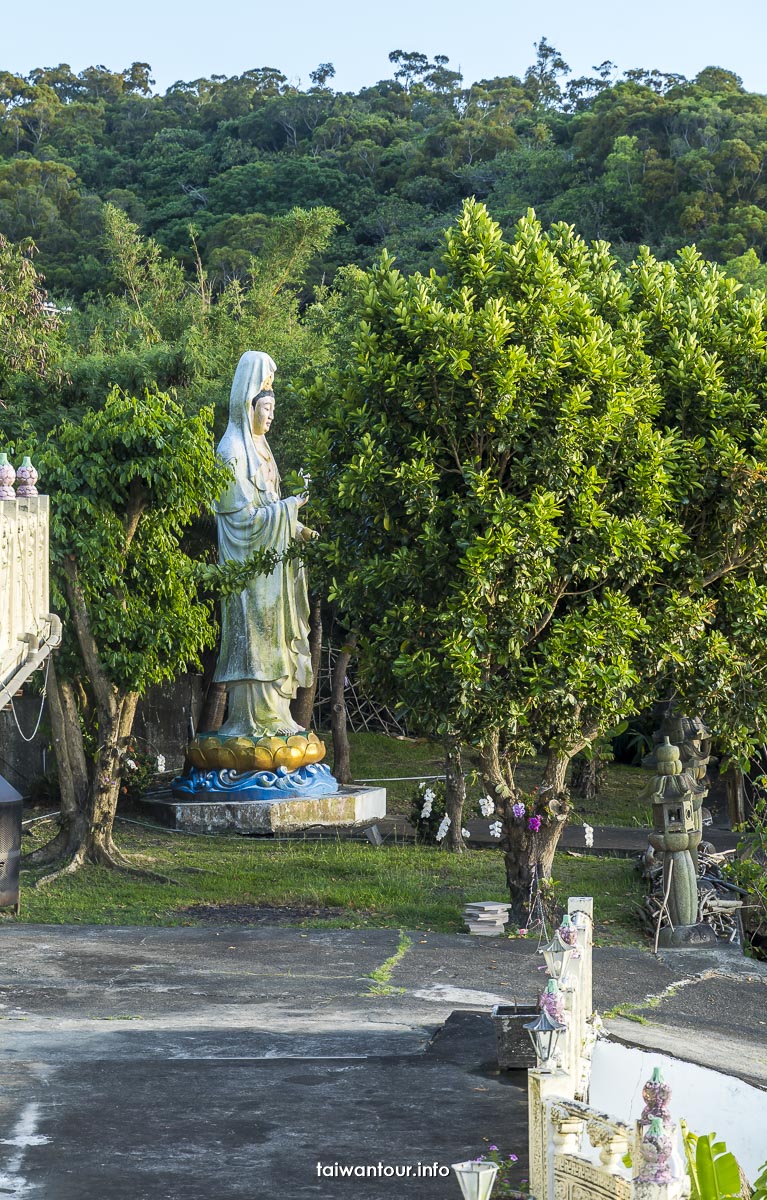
186 39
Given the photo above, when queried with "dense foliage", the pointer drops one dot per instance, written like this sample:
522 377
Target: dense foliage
541 465
643 158
87 391
545 498
497 490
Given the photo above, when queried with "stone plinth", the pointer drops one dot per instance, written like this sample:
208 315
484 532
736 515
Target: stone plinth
350 806
681 937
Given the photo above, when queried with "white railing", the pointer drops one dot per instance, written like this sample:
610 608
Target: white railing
28 631
577 1152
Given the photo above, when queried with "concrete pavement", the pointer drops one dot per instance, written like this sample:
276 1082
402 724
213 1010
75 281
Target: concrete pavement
188 1063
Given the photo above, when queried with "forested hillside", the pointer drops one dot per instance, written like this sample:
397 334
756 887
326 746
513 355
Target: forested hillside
641 158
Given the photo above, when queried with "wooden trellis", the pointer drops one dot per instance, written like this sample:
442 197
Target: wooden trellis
363 713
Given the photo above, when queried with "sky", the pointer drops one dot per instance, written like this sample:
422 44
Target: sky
187 39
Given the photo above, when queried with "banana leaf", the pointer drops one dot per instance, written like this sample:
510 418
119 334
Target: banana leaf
714 1171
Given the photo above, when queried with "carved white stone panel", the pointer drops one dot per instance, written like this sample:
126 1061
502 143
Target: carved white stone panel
577 1179
24 602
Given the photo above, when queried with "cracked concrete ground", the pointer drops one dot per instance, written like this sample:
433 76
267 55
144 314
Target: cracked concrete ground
187 1063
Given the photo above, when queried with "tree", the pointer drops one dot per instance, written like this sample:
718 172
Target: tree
127 480
27 322
708 343
542 79
509 516
412 65
321 74
131 471
748 270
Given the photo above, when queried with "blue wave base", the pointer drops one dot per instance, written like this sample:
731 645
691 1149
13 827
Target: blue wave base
313 780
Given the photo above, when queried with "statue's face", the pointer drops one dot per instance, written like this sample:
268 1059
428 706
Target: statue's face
263 414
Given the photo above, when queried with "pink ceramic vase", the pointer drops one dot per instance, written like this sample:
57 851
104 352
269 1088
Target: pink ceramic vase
7 476
656 1094
26 478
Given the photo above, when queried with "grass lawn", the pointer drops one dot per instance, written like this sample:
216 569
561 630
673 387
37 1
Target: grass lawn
619 803
376 756
339 882
398 885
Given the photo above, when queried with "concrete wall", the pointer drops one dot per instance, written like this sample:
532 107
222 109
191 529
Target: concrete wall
162 724
161 727
707 1100
22 763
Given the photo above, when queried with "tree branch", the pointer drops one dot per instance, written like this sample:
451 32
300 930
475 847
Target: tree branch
589 735
137 502
539 628
104 690
725 570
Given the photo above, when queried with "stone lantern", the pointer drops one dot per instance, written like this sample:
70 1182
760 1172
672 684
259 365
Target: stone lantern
676 795
693 741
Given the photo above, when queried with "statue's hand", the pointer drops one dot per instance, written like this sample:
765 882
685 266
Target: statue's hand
302 499
309 535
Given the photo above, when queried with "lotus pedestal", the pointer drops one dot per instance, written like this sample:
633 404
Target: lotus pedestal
262 785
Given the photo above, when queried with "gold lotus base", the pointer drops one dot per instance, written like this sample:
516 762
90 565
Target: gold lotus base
211 752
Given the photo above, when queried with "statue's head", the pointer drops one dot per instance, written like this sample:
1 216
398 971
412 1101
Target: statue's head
263 411
254 375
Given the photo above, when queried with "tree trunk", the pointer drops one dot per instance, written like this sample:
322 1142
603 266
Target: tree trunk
528 853
114 734
213 710
553 792
736 796
529 857
88 800
584 781
455 794
303 706
72 772
341 752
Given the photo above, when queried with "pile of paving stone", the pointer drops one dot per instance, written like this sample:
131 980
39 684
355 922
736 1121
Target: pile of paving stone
486 918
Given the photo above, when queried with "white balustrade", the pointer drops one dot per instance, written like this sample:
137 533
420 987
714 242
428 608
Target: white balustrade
576 1152
27 629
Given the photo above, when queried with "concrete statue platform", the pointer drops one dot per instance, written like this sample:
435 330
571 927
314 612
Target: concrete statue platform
348 807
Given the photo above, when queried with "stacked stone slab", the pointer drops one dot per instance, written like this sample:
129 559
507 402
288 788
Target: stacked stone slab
486 918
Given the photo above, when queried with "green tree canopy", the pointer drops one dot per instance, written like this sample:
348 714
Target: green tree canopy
649 157
130 464
526 533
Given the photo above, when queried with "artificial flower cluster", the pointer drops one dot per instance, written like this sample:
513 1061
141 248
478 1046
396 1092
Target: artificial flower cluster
552 1001
428 816
519 811
427 812
428 801
507 1184
443 827
137 771
531 809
